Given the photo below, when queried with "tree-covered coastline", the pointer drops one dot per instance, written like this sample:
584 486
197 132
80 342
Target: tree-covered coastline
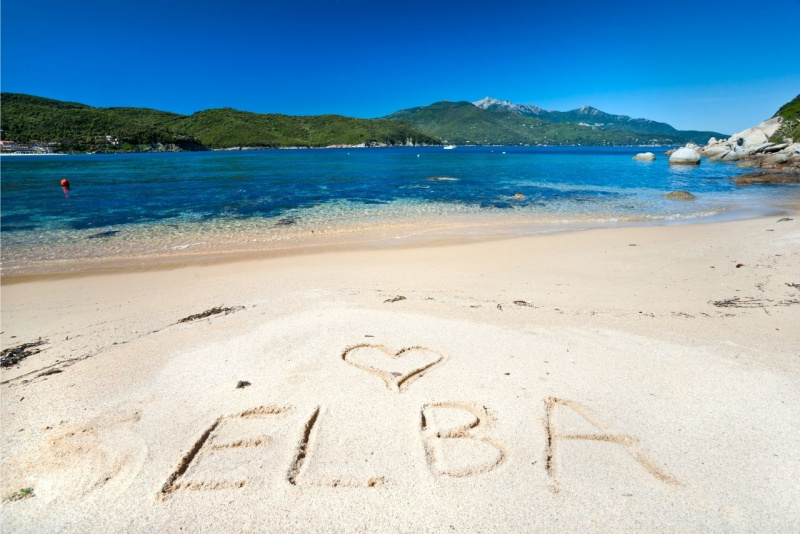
77 127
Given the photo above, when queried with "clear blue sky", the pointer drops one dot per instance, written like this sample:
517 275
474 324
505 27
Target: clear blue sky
696 65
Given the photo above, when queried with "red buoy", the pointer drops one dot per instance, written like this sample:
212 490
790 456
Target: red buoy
64 183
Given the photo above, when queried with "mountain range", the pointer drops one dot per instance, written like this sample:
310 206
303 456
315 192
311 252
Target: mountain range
79 127
491 121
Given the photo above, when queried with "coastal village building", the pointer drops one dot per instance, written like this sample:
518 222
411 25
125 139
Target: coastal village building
10 147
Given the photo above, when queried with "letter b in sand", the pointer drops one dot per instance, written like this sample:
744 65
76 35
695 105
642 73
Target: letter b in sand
455 444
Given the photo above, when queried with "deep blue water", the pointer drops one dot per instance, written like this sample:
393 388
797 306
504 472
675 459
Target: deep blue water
132 192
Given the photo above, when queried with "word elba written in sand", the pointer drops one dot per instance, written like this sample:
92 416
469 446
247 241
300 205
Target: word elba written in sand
456 436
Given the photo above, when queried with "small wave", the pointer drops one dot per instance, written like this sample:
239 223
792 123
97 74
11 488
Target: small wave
184 247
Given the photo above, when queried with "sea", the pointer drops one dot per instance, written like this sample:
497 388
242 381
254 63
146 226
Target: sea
130 210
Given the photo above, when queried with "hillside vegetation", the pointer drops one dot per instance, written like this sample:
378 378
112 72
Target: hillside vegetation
465 123
26 118
78 127
223 128
791 121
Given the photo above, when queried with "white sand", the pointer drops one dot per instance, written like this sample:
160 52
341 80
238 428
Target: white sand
619 398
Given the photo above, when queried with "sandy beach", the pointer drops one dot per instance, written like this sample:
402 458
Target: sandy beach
640 378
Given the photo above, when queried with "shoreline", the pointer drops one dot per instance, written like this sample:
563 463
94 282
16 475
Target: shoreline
451 232
327 147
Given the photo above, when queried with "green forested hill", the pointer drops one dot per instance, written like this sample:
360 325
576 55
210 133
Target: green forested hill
222 128
790 110
465 123
25 118
77 127
791 121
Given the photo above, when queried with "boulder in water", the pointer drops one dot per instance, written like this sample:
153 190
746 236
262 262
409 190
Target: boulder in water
645 156
680 195
684 156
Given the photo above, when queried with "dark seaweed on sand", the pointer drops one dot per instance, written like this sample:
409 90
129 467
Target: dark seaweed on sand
209 313
737 302
14 355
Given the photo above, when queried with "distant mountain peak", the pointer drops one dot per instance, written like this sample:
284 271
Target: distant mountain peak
586 109
520 109
488 101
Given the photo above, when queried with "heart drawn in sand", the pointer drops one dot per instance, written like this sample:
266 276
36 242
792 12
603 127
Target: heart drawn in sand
397 369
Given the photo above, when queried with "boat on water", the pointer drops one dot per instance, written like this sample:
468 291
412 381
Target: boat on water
449 147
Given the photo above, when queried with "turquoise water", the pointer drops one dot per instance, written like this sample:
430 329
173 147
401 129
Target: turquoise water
151 204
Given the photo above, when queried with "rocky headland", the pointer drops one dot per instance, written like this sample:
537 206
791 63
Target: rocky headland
771 146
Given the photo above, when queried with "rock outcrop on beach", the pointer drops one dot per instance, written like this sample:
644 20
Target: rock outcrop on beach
752 148
685 156
769 145
752 142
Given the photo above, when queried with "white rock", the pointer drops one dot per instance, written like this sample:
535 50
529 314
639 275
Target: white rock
752 137
685 156
715 150
729 155
757 135
776 148
645 156
759 148
771 126
775 159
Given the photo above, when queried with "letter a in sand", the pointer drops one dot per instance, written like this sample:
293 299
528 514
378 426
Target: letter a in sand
605 435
